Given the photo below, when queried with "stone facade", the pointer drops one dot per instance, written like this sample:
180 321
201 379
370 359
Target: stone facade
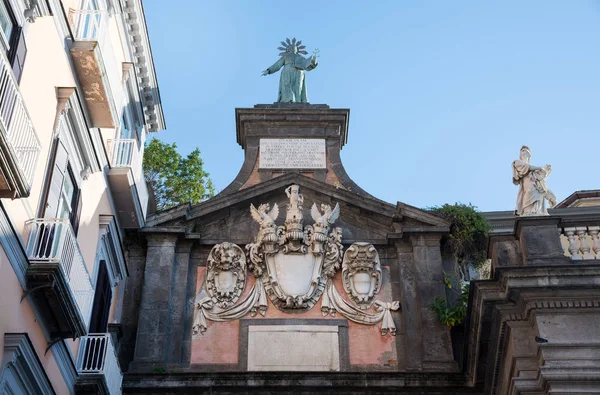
204 317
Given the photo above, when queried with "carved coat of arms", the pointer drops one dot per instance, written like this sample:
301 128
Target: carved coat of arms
295 261
294 265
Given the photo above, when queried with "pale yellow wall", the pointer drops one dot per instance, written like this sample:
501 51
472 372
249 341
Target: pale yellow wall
17 317
46 67
95 202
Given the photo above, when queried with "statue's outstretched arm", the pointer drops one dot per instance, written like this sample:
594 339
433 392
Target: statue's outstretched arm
274 67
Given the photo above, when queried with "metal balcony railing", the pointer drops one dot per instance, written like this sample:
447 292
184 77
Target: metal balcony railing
85 24
17 123
97 356
53 241
126 153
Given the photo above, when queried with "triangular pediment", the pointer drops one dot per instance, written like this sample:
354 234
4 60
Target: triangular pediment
361 218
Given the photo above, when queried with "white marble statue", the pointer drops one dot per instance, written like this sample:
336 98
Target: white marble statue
533 191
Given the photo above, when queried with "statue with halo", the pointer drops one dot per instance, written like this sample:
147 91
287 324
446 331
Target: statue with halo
292 83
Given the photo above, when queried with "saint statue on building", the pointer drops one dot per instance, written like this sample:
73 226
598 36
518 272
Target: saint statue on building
292 82
533 191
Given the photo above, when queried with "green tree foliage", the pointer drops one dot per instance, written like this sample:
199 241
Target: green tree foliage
468 238
173 178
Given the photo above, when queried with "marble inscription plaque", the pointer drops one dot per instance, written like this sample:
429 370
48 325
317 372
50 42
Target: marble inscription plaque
292 153
293 348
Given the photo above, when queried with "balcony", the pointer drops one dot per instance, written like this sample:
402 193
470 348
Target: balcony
97 366
57 278
19 143
127 184
88 27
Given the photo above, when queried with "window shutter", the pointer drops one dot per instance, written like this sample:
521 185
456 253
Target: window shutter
76 213
59 172
102 299
19 54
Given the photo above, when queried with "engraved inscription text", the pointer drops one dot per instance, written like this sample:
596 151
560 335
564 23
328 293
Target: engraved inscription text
292 154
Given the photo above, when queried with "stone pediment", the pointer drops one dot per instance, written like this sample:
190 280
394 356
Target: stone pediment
362 218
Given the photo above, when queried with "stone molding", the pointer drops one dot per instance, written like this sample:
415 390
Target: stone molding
146 75
161 239
425 240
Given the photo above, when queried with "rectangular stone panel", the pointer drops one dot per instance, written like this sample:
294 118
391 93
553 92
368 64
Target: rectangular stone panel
293 348
292 154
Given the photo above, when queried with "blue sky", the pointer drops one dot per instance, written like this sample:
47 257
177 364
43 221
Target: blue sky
442 94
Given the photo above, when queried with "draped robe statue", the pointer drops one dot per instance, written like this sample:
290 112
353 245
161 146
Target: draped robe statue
292 83
533 191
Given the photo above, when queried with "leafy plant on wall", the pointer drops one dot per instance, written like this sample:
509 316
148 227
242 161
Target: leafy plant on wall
173 178
467 243
451 315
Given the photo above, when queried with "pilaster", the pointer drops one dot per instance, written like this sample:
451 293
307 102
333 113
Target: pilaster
151 343
411 318
177 305
136 264
437 344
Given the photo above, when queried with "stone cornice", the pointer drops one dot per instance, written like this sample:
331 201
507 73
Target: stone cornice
144 64
185 212
517 292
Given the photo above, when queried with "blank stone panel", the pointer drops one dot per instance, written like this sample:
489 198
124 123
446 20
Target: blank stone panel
293 348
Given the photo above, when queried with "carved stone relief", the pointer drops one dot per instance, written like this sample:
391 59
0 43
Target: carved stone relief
294 266
294 261
361 274
226 274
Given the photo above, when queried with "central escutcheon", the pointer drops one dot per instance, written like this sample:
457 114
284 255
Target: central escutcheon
295 261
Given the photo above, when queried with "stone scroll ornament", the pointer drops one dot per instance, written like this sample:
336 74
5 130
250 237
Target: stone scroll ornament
294 266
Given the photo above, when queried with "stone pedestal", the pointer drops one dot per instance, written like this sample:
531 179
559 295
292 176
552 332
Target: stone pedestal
309 125
539 240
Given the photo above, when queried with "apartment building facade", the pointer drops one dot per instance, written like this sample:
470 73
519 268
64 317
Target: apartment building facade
78 96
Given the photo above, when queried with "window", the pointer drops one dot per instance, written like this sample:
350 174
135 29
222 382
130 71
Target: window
7 25
88 25
22 372
102 301
63 198
12 40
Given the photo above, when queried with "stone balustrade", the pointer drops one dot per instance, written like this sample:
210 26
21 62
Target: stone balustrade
581 242
572 233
